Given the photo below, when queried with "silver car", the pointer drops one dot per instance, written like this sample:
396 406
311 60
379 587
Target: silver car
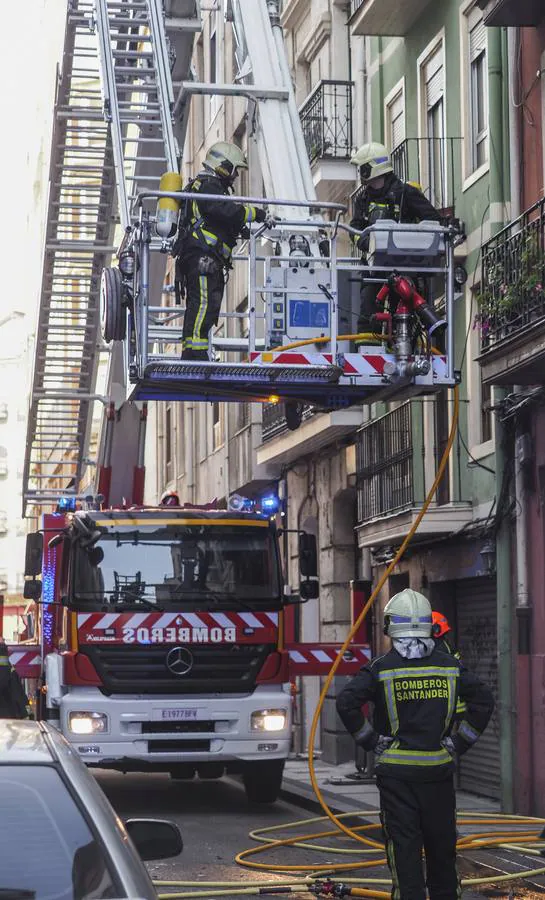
59 837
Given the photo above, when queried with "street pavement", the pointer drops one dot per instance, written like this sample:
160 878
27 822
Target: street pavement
216 819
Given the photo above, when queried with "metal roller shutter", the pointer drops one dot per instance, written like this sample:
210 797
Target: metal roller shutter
479 770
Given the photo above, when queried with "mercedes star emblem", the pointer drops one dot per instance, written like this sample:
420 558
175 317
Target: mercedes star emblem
179 661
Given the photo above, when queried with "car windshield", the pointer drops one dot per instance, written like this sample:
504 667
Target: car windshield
198 565
47 851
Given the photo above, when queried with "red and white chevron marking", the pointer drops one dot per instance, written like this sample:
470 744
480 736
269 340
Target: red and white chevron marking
27 662
177 627
313 659
366 364
290 358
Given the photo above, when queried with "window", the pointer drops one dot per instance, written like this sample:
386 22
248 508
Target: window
213 69
3 522
217 425
61 858
198 100
486 413
433 163
168 442
441 439
3 461
478 94
395 118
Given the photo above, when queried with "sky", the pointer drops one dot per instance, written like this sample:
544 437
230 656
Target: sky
35 36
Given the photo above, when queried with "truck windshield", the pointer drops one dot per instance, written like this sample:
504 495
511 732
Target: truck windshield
162 568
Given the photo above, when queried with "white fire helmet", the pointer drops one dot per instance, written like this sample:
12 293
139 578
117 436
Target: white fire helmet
408 614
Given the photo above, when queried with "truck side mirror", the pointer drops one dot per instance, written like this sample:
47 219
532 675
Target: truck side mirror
33 554
309 588
308 555
32 590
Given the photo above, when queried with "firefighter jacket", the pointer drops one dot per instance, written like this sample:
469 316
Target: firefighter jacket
13 701
398 200
415 703
211 226
443 645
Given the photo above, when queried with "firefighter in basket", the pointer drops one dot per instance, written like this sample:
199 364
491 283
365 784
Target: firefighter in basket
382 196
207 233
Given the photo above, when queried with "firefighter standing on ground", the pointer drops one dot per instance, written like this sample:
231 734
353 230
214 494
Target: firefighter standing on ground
208 231
13 701
382 196
414 688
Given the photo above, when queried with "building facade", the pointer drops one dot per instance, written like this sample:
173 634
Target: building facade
511 358
432 82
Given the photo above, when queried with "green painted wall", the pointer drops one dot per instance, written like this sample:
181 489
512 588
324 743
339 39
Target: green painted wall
471 482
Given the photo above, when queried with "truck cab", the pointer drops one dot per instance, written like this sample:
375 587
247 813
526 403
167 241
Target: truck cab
165 645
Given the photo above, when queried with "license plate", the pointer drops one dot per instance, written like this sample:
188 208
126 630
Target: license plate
175 715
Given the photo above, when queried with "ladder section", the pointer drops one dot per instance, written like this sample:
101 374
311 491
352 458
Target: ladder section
77 246
138 95
282 151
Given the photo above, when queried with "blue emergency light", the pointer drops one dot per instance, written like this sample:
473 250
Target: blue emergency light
270 504
66 504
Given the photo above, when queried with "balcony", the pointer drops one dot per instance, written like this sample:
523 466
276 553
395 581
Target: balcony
514 13
511 314
389 18
395 465
317 430
430 162
326 119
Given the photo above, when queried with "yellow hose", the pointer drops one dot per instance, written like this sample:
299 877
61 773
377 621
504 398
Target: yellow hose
365 336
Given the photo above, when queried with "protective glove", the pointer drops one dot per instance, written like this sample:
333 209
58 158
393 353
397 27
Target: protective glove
366 736
260 214
448 744
270 221
381 745
363 243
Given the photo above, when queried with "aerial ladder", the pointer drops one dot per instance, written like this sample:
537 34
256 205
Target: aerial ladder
135 104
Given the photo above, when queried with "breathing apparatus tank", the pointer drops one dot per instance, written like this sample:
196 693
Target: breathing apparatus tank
167 207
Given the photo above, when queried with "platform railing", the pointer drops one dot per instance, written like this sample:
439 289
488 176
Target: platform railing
262 286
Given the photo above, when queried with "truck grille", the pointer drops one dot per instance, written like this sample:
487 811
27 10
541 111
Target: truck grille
216 668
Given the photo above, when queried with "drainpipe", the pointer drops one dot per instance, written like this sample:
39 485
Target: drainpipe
522 451
190 442
498 125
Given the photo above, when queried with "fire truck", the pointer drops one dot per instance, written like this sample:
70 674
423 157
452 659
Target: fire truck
165 639
160 640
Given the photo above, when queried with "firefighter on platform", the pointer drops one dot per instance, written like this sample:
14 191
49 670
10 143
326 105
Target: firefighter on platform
207 233
13 700
414 688
382 196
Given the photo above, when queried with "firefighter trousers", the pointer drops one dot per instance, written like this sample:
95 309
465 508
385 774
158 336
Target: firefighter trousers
204 285
416 816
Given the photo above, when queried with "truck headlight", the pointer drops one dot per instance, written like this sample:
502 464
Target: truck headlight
269 720
87 722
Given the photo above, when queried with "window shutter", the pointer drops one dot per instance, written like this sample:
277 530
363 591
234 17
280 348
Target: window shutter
397 121
477 40
434 79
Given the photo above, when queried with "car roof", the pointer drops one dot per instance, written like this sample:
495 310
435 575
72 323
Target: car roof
24 741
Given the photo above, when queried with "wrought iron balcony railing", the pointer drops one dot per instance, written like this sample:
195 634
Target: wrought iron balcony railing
512 295
431 163
274 420
384 464
326 117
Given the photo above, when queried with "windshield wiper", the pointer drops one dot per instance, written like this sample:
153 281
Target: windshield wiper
16 894
227 600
